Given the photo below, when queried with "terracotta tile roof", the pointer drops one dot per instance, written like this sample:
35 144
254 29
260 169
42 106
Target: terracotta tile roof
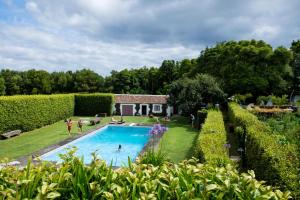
140 98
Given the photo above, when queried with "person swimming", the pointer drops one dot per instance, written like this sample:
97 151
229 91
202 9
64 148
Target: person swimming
119 148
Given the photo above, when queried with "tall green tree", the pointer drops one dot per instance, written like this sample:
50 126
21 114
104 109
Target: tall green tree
189 94
62 82
37 82
247 67
295 63
2 86
167 72
13 81
86 80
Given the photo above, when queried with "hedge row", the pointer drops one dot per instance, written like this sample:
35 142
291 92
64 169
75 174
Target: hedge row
92 104
211 142
187 180
33 111
271 160
30 112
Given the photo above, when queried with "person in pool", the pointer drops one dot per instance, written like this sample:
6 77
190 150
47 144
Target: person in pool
119 148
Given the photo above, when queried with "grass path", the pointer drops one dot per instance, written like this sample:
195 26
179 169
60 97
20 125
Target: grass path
178 142
32 141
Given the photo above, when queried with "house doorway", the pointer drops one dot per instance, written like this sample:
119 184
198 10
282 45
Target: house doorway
144 109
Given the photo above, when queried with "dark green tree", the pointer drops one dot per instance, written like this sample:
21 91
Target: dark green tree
62 82
189 94
86 80
36 82
247 67
2 86
295 63
167 73
13 81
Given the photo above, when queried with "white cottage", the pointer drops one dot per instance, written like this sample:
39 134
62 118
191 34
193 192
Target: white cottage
140 104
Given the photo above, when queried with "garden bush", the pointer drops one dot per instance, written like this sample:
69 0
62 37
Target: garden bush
211 142
272 160
279 101
30 112
92 104
72 179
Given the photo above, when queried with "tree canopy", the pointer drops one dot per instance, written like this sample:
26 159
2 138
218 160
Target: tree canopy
241 67
247 67
189 94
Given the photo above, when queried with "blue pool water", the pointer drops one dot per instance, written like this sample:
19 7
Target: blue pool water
106 141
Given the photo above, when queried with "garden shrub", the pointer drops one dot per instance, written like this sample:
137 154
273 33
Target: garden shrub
92 104
272 160
30 112
187 180
211 142
283 100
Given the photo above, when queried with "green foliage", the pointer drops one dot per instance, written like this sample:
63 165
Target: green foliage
272 160
283 100
2 86
91 104
211 143
155 158
34 111
247 67
188 180
190 94
285 124
295 63
241 98
87 81
43 82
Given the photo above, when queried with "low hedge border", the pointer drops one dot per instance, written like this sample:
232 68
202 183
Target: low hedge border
272 161
211 142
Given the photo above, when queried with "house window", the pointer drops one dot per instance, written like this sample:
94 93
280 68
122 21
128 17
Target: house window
157 108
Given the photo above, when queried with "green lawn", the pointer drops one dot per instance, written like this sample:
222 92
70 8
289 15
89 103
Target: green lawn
177 142
32 141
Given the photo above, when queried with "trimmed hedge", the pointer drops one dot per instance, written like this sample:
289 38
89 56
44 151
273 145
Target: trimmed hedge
30 112
271 160
92 104
211 141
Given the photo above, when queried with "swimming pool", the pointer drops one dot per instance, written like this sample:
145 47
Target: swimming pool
106 142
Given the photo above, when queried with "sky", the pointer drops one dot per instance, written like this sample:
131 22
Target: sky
106 35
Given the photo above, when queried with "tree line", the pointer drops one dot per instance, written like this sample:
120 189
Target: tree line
239 67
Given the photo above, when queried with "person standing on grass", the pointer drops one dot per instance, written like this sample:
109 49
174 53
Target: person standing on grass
69 125
79 124
192 120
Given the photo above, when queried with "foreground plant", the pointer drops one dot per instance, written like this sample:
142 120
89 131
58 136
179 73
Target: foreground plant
187 180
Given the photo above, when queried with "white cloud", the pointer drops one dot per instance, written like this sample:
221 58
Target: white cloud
30 48
113 34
